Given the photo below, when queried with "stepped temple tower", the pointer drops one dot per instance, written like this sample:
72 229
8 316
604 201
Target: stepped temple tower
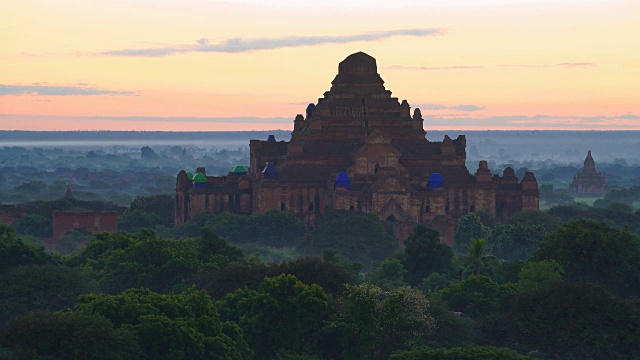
589 180
358 148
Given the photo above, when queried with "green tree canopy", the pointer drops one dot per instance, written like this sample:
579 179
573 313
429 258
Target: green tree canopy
171 326
309 270
478 261
535 275
272 228
468 227
35 225
388 275
372 323
41 287
15 252
425 254
357 236
515 242
67 335
535 217
283 314
564 321
592 252
466 353
122 261
475 296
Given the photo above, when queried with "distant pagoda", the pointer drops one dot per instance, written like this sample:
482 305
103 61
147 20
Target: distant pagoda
69 195
588 181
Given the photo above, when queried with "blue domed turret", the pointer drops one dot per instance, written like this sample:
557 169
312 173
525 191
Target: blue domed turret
435 181
270 172
342 181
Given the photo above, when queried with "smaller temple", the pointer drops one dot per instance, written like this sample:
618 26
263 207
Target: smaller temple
69 195
93 222
588 181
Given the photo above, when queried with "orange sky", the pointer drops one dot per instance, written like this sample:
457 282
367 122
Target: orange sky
214 65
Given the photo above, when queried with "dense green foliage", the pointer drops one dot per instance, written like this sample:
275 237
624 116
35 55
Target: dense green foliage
309 270
41 287
515 242
466 353
425 254
577 322
66 336
272 228
15 252
357 236
283 314
475 296
171 326
468 228
370 323
122 261
593 253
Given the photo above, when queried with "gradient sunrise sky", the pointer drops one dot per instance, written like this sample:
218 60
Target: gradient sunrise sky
197 65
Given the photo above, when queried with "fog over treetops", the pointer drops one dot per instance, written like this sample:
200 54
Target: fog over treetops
562 147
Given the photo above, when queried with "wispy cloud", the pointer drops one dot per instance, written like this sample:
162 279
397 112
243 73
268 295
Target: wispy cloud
240 45
622 122
58 90
470 67
533 66
454 67
578 65
152 119
464 107
564 65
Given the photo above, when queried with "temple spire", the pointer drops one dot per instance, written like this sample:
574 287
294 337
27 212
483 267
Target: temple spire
589 164
69 194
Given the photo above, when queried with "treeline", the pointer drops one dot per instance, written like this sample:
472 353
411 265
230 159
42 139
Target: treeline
569 292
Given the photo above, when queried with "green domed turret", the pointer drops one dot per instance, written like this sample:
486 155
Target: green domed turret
190 176
200 177
200 181
239 169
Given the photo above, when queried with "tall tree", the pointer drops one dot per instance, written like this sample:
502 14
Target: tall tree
425 254
478 261
468 227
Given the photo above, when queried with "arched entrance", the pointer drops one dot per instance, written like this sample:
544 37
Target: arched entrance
389 224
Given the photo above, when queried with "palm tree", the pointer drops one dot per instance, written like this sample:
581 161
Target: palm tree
478 261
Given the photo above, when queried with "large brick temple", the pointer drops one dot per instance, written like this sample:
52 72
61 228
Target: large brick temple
358 148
